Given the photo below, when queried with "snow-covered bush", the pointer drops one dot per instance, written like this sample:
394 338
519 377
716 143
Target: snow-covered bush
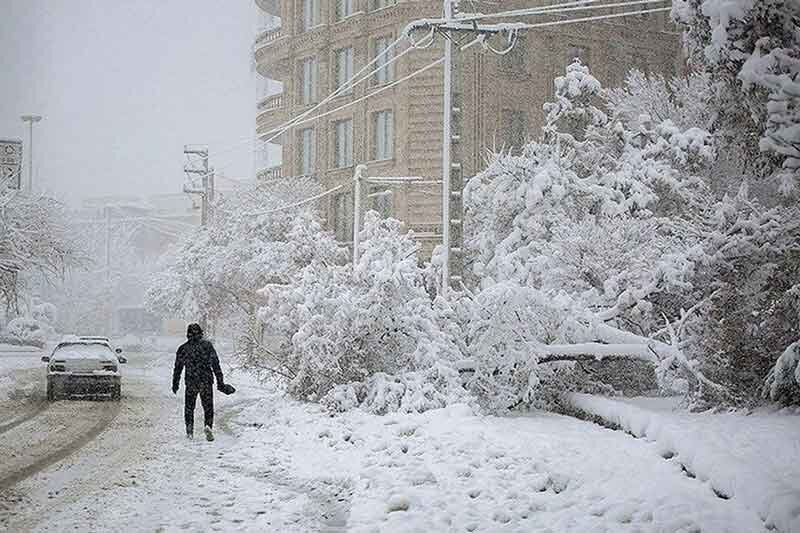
783 381
406 392
343 325
24 331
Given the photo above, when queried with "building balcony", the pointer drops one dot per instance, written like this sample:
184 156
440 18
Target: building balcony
272 111
270 53
268 103
273 7
271 173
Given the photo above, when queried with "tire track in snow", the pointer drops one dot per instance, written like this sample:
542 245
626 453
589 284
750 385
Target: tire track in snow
34 409
25 401
75 437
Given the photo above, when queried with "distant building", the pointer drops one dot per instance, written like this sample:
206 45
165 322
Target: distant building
310 47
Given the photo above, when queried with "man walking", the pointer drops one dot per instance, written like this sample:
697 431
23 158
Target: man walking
200 359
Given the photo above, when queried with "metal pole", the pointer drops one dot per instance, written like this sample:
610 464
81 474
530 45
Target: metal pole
110 308
30 119
108 242
30 157
446 155
356 210
204 201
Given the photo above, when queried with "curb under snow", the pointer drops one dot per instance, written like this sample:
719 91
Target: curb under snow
754 460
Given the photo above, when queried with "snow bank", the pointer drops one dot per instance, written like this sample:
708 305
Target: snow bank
753 460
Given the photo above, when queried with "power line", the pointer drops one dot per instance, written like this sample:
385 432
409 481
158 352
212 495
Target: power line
516 26
303 202
348 84
582 7
345 86
372 94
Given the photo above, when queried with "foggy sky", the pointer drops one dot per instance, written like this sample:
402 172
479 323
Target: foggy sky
123 85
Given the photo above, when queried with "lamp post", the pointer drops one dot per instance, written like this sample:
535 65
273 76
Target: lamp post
31 120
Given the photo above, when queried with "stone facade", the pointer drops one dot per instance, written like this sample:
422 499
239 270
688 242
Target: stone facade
497 99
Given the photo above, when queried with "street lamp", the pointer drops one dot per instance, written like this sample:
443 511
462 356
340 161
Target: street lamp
31 120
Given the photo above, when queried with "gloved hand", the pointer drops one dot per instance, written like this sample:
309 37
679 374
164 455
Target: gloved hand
174 389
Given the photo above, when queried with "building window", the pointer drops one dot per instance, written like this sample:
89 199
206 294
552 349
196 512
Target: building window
308 87
381 200
344 68
384 55
515 128
311 14
307 151
343 217
577 52
514 61
382 135
380 4
343 143
344 8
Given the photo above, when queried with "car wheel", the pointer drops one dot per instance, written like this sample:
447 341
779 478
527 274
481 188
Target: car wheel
116 393
51 393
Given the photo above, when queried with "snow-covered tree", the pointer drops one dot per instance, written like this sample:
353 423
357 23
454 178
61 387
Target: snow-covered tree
751 50
748 283
217 270
34 239
363 334
597 214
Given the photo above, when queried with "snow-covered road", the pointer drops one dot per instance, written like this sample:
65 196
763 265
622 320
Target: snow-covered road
279 465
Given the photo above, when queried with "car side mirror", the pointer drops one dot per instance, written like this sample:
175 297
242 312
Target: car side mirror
118 350
45 359
122 360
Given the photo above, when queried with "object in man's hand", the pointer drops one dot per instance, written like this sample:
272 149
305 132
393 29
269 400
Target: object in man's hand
226 388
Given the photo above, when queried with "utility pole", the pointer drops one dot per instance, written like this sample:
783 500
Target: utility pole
447 137
450 27
197 163
31 120
360 169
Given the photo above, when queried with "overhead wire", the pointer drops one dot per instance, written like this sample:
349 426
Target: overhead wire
356 79
583 5
525 26
345 86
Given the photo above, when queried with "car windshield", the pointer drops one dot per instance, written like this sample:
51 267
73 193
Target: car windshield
83 351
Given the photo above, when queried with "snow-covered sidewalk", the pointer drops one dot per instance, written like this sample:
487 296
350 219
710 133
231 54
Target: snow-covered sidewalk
282 465
451 470
754 460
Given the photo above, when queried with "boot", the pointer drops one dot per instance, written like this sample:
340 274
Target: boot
209 433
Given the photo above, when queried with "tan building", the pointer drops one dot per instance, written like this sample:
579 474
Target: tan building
312 46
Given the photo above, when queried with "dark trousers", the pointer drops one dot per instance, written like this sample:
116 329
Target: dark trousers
206 393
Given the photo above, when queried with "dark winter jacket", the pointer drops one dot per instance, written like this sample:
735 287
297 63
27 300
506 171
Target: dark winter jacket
200 359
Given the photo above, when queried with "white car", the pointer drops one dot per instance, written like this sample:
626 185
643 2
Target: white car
83 368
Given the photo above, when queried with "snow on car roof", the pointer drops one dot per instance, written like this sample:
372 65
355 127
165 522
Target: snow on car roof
82 350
